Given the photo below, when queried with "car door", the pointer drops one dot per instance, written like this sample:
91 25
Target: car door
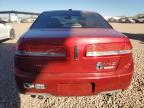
3 31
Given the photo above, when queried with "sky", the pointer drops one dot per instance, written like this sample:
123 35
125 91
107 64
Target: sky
104 7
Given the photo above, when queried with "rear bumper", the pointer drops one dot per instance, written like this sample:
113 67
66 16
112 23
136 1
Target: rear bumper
73 84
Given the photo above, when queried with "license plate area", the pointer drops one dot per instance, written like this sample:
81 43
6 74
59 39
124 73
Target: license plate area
74 89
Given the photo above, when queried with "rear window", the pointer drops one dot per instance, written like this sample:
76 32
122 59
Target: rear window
70 19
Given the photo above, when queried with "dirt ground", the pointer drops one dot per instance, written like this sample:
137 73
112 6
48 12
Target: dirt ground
131 98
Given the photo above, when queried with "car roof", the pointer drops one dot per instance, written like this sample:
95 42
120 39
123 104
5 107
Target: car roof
70 10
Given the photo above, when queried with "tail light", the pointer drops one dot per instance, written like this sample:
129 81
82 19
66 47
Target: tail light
40 50
108 49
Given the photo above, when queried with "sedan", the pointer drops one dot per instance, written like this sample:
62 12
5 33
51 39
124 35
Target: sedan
6 31
72 53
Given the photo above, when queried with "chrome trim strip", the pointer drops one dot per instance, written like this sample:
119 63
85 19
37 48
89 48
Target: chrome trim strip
75 52
108 53
49 54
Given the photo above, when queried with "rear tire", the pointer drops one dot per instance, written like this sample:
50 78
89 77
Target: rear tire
12 34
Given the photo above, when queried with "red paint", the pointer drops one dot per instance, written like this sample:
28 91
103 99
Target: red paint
67 75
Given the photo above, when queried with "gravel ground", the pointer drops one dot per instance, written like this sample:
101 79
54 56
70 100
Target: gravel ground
131 98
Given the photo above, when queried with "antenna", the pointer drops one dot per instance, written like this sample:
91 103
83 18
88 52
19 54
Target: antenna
70 9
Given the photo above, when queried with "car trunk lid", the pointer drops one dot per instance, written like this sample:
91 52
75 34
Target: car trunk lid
72 50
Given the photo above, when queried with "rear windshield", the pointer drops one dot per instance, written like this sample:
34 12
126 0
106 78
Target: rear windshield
70 19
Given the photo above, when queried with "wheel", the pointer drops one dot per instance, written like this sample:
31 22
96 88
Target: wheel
12 34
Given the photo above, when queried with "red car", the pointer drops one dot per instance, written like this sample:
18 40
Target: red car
72 53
